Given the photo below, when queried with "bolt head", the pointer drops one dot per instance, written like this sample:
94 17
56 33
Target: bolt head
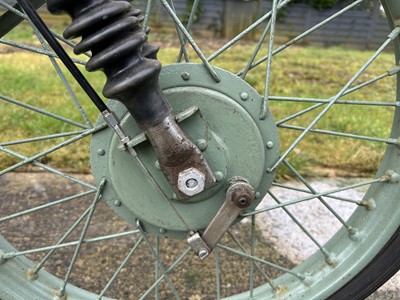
191 181
202 144
244 96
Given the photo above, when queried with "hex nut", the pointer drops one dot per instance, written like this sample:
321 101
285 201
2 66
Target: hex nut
191 181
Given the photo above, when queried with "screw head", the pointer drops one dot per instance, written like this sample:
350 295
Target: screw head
185 76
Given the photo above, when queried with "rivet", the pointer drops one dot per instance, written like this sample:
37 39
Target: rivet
117 203
244 96
101 152
157 165
162 230
202 144
185 76
219 176
257 195
270 145
174 196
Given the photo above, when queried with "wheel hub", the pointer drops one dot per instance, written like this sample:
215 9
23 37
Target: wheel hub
221 118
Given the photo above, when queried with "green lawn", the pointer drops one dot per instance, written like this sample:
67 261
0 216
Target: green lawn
298 72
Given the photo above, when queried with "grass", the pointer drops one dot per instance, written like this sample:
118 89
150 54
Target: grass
299 71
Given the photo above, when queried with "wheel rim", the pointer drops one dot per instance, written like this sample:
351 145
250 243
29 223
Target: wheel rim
361 237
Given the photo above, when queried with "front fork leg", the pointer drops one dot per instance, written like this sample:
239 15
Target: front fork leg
111 30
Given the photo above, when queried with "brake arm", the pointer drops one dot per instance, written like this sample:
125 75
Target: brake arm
239 196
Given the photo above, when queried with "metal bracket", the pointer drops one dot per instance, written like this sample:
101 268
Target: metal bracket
239 195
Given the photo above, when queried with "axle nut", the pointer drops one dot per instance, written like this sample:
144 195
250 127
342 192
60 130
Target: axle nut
191 181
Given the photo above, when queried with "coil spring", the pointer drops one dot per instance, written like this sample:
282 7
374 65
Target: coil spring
111 30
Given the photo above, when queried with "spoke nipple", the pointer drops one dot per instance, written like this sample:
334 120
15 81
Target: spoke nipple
32 275
270 145
369 204
101 152
59 295
117 203
332 260
202 144
307 279
185 76
354 234
244 96
392 176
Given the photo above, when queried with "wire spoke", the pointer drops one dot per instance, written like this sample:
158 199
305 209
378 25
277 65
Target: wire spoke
298 223
264 105
192 42
39 266
179 34
118 271
41 138
328 106
324 101
41 111
245 32
50 169
52 149
9 255
63 78
389 141
304 34
316 196
257 49
252 253
264 262
37 50
157 259
293 188
321 102
189 24
44 206
83 234
171 268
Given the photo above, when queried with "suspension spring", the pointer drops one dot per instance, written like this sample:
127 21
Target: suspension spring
111 30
